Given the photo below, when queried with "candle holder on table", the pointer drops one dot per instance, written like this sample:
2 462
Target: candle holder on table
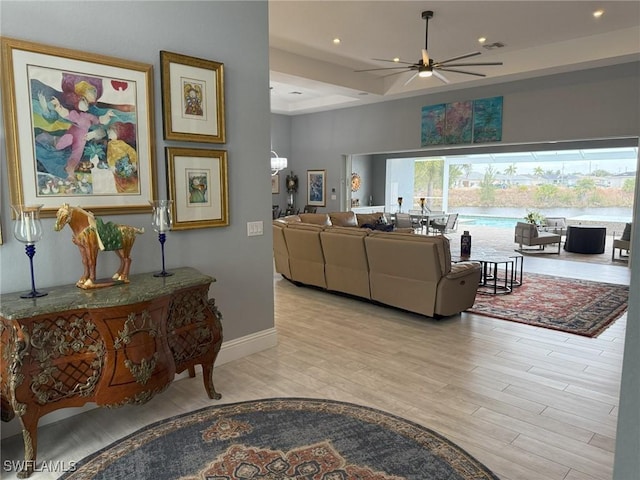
161 221
27 229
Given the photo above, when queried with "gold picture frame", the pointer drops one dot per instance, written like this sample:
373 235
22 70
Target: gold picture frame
192 98
198 186
79 129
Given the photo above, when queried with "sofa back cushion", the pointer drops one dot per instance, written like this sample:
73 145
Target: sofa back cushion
315 218
280 251
404 271
369 218
626 234
346 264
343 219
306 259
442 245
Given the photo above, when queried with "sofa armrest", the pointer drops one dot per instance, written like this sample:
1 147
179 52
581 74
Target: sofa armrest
462 269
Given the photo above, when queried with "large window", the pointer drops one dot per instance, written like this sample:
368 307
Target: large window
567 183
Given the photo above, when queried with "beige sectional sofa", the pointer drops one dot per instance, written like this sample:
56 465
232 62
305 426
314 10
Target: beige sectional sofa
403 270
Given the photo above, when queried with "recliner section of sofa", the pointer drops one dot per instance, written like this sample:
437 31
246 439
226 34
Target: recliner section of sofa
403 270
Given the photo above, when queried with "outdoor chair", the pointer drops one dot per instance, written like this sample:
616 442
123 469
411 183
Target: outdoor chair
622 244
554 225
403 220
528 234
450 225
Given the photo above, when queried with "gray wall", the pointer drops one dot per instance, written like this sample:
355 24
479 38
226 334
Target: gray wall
235 33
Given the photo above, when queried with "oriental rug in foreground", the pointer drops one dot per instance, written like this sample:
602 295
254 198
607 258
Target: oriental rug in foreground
581 307
283 439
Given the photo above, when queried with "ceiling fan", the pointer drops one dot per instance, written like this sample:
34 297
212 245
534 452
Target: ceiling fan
426 66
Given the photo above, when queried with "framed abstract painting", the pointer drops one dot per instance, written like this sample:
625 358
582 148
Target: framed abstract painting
198 186
79 129
192 98
316 188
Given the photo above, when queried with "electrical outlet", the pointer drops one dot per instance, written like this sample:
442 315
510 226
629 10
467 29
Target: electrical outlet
254 229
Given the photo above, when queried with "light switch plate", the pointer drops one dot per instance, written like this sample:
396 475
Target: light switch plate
254 229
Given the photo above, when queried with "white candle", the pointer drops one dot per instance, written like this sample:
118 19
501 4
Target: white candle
162 213
27 226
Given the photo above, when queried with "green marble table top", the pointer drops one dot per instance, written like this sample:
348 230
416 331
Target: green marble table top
143 286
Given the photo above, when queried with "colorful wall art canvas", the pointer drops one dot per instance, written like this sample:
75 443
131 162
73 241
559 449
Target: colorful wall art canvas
458 125
470 121
487 120
433 125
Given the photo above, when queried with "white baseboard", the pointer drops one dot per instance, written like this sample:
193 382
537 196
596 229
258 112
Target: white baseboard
229 351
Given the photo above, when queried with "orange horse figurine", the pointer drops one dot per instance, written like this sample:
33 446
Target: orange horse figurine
91 235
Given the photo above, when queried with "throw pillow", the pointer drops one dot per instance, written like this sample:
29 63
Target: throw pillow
626 235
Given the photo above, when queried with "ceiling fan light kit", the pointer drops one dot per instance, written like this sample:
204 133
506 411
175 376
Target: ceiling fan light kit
427 66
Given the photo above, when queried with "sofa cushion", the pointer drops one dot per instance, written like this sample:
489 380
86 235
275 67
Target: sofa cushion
315 218
370 218
626 234
343 219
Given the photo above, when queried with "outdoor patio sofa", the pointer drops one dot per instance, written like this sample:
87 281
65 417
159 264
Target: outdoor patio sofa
528 234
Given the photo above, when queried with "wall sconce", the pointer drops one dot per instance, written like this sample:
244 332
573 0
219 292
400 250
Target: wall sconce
277 163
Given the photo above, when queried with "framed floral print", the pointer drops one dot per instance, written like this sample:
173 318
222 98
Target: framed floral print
316 188
198 187
79 129
192 98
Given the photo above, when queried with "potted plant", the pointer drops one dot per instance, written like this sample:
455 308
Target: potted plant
534 217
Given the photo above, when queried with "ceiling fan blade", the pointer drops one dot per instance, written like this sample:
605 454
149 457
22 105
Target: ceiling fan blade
385 60
468 64
462 71
440 77
410 78
425 57
384 68
394 73
460 57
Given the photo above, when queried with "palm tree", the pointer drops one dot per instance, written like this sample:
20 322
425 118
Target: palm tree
510 171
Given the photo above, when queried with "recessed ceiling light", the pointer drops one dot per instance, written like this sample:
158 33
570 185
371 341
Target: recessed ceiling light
396 59
598 13
482 39
336 41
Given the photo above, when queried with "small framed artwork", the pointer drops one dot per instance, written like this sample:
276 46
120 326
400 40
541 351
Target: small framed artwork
198 187
192 98
79 129
316 187
275 183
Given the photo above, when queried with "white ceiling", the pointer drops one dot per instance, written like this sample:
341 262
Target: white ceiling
309 73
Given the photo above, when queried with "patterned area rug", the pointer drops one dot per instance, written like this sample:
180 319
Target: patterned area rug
575 306
283 439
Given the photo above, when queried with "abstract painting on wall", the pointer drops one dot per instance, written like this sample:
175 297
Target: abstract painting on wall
470 121
433 124
487 120
458 122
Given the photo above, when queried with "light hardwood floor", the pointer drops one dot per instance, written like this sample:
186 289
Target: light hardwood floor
529 403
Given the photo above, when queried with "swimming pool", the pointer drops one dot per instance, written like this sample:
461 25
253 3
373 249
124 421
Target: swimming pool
489 221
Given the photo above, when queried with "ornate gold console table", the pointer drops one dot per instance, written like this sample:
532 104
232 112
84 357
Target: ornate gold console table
115 346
